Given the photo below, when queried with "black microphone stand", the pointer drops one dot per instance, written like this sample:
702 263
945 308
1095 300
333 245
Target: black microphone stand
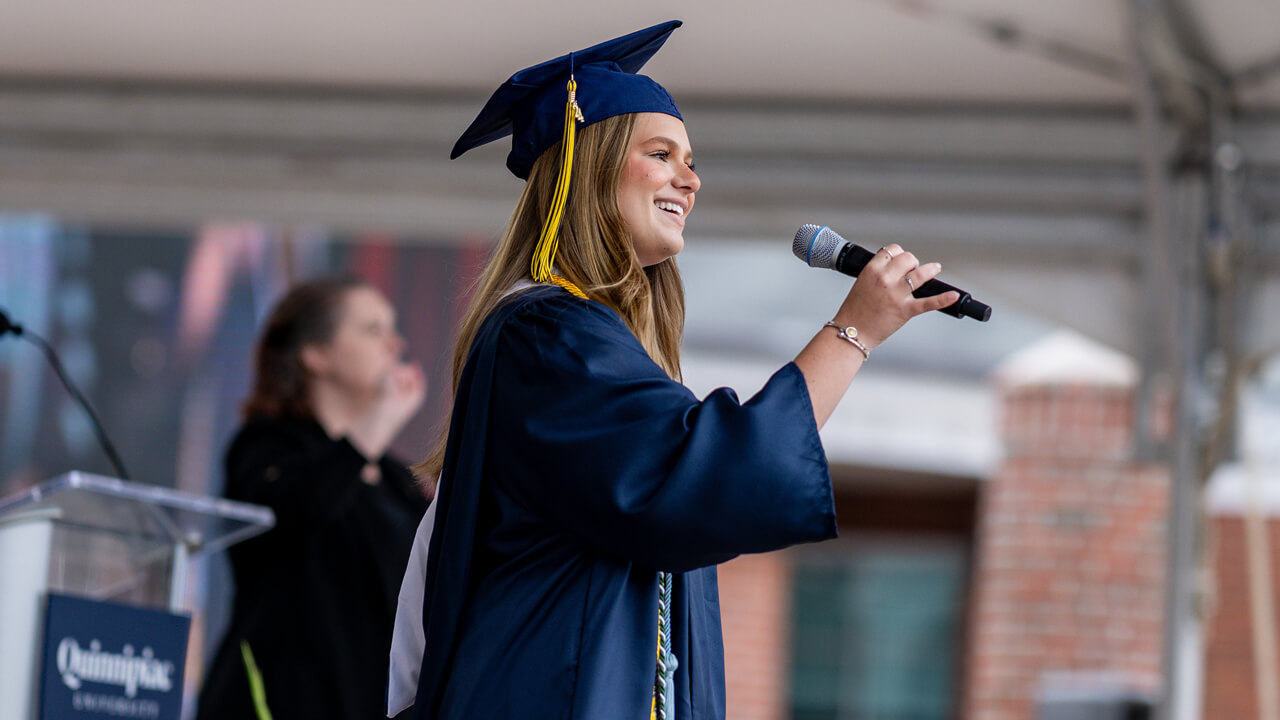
9 327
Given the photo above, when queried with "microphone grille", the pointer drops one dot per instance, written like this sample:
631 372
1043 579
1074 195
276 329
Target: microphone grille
817 245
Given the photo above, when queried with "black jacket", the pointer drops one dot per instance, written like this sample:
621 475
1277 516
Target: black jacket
315 596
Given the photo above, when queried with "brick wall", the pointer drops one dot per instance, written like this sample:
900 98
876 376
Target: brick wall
1229 690
755 606
1070 552
1069 569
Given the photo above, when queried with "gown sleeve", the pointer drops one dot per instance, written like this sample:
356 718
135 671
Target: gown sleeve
590 434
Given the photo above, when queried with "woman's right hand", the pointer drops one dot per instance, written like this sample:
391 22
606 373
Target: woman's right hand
881 300
879 303
403 391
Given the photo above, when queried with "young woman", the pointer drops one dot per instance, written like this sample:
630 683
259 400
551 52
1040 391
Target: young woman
585 495
315 596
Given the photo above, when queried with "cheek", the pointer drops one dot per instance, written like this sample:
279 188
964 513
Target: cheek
639 180
632 203
632 188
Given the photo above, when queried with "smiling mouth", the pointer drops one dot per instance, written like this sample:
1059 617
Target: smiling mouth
670 207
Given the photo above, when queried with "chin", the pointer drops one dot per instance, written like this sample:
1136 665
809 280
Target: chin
657 260
658 249
672 251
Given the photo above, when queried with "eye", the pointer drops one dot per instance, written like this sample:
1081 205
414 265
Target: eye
660 154
693 167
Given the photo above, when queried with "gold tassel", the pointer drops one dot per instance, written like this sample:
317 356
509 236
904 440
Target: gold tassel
567 284
544 255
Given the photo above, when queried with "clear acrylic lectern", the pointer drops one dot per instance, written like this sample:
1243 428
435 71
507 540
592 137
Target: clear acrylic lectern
105 539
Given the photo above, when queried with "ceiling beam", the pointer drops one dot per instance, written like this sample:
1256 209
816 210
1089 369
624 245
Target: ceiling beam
1013 199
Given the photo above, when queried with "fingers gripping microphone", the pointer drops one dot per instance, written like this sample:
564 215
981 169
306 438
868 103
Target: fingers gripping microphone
821 247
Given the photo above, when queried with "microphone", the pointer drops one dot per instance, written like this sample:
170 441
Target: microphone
821 247
8 326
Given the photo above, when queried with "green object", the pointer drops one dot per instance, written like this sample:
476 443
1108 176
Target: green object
256 690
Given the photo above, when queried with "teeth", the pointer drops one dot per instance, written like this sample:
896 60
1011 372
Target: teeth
672 207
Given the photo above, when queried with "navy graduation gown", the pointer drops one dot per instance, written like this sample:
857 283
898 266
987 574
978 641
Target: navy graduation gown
575 470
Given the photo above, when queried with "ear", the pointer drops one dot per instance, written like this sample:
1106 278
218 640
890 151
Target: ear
314 359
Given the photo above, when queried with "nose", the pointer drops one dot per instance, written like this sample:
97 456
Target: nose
687 179
396 341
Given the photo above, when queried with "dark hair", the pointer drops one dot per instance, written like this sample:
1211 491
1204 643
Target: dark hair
306 315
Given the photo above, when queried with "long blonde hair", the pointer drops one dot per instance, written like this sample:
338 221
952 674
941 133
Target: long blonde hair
595 253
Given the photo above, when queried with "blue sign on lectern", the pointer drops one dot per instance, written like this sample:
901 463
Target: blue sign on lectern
104 661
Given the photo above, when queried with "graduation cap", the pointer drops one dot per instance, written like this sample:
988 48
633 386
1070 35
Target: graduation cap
542 104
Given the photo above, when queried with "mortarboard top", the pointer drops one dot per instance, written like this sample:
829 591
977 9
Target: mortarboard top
530 105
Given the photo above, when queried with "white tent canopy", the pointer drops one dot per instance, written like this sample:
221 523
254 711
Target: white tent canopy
996 136
910 50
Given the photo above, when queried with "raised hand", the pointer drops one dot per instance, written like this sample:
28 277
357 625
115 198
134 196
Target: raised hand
403 391
879 303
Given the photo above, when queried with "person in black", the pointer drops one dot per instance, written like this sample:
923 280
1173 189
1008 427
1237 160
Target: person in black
315 596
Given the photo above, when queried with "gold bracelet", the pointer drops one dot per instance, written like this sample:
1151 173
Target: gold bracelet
850 333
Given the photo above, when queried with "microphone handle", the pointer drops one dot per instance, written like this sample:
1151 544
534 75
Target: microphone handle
853 258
